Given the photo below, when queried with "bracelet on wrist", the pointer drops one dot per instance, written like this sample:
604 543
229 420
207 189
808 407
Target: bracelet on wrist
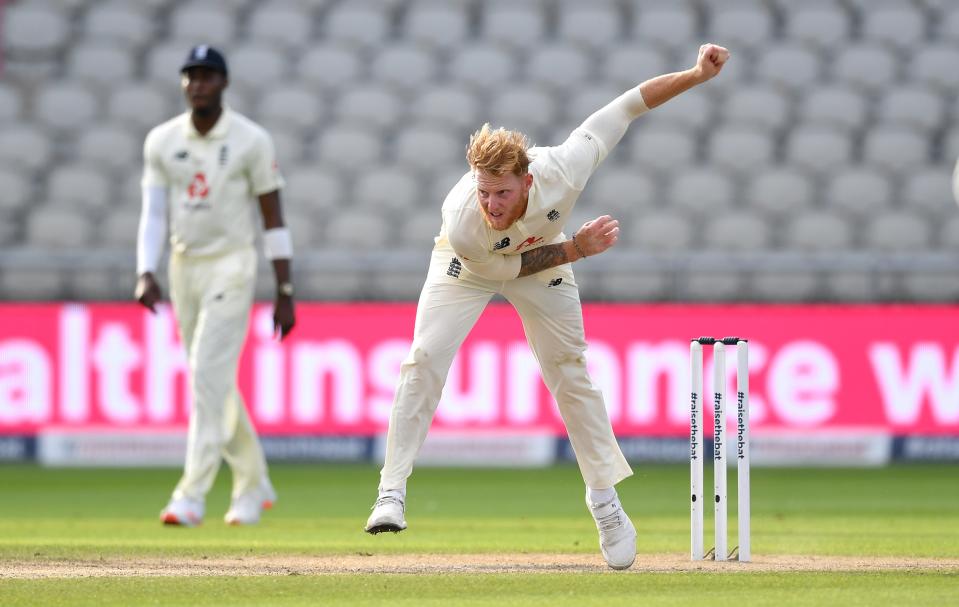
578 250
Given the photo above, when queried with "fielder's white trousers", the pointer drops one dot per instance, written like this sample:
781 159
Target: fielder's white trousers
212 297
552 318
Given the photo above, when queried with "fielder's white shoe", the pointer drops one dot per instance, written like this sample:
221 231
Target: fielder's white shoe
247 508
387 514
184 512
617 536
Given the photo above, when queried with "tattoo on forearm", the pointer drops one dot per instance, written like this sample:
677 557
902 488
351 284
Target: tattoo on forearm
543 258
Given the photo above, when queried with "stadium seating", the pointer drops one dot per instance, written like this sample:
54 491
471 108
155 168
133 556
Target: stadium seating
831 132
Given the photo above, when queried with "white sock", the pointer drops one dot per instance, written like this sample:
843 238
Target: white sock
600 496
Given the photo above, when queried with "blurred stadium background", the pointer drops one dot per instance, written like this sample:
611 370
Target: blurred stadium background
817 168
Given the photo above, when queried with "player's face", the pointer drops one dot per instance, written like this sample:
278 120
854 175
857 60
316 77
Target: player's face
203 88
503 198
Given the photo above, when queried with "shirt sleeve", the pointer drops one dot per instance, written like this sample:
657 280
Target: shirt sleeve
153 173
578 157
264 171
466 234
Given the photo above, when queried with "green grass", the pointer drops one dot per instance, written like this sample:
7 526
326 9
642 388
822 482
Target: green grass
901 511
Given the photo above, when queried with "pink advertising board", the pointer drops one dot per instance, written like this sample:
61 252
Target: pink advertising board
892 369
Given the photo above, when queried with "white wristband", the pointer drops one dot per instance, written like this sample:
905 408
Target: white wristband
277 243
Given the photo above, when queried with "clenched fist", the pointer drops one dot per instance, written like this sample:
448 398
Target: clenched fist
711 59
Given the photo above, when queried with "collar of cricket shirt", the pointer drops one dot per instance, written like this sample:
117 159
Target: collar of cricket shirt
219 129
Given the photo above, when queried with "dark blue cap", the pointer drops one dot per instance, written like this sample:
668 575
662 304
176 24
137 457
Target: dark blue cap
205 55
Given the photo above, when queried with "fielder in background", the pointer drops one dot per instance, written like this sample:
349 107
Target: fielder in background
202 171
502 233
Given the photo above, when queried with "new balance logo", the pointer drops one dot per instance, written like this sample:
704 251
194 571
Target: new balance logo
501 244
555 282
182 155
456 266
553 215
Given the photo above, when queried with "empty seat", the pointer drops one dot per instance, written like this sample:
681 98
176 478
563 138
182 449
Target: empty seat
315 190
895 149
122 23
388 190
628 65
868 66
515 25
818 231
901 26
357 231
947 26
523 107
205 25
929 190
99 284
31 284
370 105
288 142
451 106
119 228
934 65
58 228
789 66
286 25
915 107
442 181
834 106
898 231
11 104
66 105
583 103
737 231
949 234
436 26
932 286
349 148
780 191
163 62
664 148
622 192
305 231
25 147
703 191
823 25
421 147
859 192
744 26
713 286
560 66
592 25
661 232
110 145
79 185
784 286
741 149
672 26
758 105
478 65
255 67
34 31
358 24
15 191
330 67
818 149
419 231
142 105
292 106
406 68
101 63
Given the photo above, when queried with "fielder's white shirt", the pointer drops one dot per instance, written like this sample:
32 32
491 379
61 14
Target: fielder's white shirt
559 175
212 180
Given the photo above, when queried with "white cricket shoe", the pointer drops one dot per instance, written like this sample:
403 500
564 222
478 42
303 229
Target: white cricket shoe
387 514
617 536
184 512
247 508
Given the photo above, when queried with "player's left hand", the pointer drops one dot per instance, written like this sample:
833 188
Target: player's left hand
283 316
711 60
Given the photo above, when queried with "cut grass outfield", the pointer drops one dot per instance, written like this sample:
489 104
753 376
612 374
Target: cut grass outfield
87 515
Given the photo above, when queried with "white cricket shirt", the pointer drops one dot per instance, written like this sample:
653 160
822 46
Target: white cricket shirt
559 175
212 180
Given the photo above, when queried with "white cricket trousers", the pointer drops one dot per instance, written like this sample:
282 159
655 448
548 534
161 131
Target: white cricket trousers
212 297
450 304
